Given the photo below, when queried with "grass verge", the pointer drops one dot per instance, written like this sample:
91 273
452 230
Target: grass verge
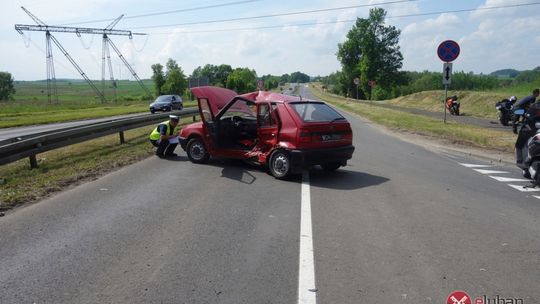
33 115
422 125
71 165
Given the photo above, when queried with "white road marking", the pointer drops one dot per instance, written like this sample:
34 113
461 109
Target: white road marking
536 196
522 189
306 271
490 171
475 166
508 179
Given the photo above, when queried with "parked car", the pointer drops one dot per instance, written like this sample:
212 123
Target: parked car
167 103
284 133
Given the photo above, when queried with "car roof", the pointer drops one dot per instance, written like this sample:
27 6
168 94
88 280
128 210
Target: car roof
265 96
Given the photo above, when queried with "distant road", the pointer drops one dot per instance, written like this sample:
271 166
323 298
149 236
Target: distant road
28 130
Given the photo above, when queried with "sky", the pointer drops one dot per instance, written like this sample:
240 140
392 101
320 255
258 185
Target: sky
490 39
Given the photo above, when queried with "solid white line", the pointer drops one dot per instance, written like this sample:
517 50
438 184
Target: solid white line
307 292
474 166
508 179
490 171
536 196
522 189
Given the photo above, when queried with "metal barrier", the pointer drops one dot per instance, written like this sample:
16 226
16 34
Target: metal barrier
16 148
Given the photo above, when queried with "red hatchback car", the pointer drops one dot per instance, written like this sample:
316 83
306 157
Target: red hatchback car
285 133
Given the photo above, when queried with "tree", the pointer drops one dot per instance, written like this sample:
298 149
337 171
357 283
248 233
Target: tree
371 52
6 86
175 82
299 77
242 80
158 77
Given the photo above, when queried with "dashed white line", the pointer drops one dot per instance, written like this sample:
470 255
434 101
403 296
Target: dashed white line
508 179
490 171
306 271
523 189
474 165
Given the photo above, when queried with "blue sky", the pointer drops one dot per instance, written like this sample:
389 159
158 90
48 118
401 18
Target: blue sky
489 39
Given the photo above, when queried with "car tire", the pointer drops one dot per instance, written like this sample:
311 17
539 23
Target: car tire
280 164
152 110
168 109
196 151
331 166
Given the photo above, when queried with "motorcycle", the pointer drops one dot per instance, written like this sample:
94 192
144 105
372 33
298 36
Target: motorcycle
505 113
528 145
453 105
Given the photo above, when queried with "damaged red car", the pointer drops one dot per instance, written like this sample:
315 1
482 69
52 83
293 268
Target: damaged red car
285 133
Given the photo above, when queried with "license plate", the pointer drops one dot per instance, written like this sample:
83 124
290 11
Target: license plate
329 137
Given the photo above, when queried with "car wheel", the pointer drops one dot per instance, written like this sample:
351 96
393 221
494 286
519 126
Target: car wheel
331 166
168 109
280 164
152 110
196 151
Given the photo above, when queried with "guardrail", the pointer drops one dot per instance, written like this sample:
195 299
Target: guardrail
16 148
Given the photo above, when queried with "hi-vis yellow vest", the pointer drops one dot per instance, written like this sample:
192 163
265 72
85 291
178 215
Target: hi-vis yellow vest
155 134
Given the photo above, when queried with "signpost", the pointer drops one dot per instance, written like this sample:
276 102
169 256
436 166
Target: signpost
447 51
357 82
371 84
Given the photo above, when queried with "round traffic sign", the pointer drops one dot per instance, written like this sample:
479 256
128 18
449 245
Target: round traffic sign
357 81
448 50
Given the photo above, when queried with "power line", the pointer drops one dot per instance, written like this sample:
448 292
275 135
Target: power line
350 20
168 12
275 15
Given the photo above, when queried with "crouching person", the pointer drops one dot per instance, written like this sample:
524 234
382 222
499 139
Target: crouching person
165 137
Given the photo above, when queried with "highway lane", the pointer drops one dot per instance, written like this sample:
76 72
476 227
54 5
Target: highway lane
6 133
398 224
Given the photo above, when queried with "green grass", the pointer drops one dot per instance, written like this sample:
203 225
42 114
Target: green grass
71 165
418 124
477 104
76 101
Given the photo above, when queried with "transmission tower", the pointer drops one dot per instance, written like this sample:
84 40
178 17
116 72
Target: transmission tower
106 32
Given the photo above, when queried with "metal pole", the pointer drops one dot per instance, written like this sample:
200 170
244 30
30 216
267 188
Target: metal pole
445 100
122 139
33 162
357 92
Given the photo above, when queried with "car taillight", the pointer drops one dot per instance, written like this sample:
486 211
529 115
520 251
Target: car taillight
305 136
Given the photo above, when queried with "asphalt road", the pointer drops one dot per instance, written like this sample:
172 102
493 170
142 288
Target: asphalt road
399 224
6 133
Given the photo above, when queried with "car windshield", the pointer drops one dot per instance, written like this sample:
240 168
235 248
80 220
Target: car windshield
240 108
163 99
315 111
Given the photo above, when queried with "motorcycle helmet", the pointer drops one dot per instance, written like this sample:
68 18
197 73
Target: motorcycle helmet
512 99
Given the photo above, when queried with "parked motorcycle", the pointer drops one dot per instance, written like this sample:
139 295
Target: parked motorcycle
528 144
504 108
453 105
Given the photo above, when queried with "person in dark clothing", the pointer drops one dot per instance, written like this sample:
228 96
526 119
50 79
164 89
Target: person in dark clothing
165 137
524 103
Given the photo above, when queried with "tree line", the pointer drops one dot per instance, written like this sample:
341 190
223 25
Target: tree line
172 80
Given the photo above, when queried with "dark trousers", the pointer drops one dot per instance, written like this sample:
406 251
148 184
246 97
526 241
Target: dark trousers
163 146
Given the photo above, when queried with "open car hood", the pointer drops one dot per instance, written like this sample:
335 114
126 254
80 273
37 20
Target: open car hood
217 97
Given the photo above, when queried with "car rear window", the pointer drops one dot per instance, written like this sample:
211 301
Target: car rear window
315 111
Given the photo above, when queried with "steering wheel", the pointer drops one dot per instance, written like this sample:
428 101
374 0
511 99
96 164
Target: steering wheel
237 121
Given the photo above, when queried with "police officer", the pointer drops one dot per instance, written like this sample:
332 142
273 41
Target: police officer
165 137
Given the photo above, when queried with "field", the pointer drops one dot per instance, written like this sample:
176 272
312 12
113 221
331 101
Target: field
76 100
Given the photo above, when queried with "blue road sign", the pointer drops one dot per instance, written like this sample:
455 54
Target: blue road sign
448 51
